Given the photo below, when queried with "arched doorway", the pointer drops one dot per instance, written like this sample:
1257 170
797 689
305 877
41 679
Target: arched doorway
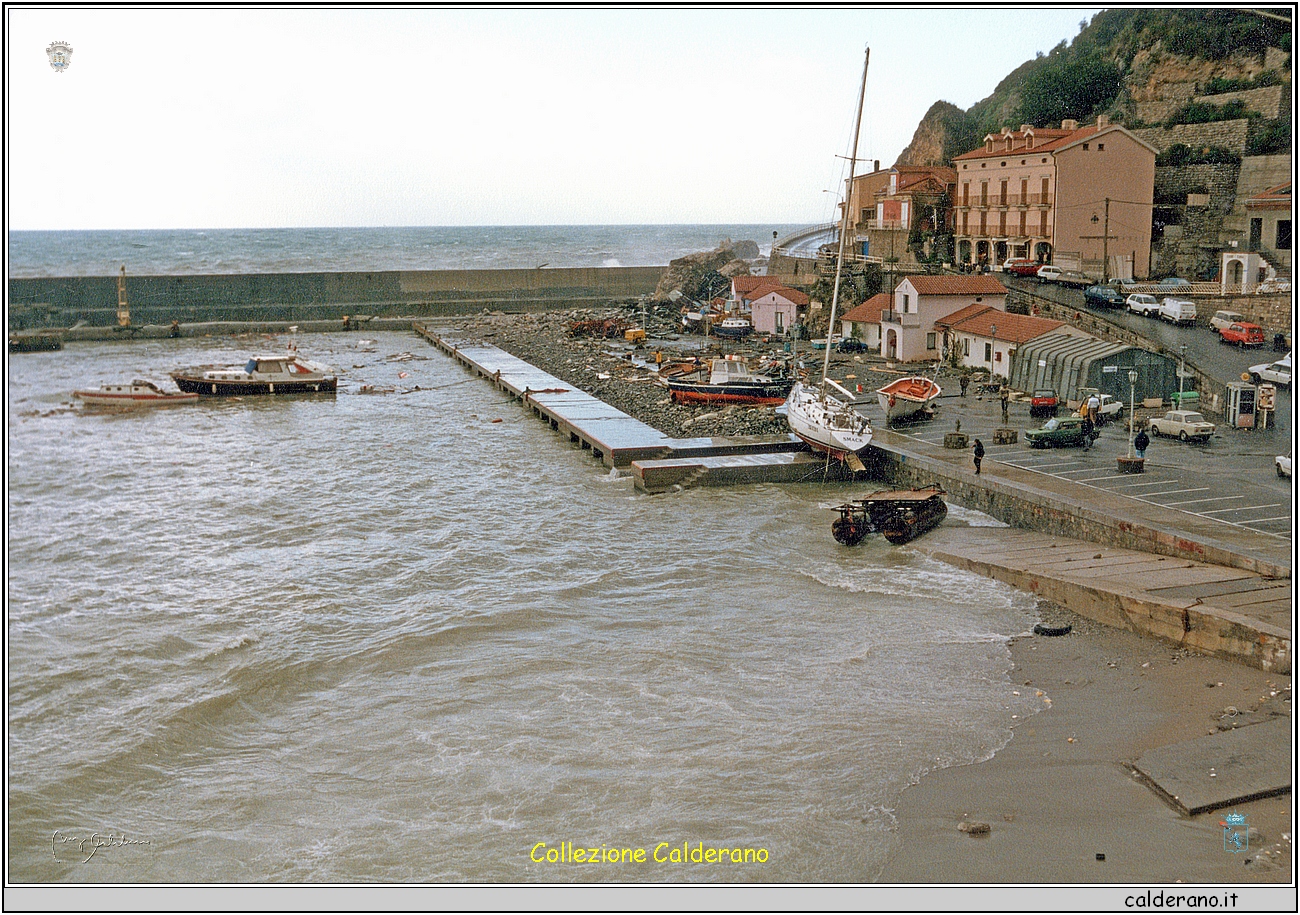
891 344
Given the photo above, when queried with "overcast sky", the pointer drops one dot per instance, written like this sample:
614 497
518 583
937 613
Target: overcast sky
207 118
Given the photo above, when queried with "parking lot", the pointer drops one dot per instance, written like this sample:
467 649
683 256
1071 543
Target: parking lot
1231 479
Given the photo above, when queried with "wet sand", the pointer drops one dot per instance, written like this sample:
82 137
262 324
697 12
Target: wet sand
1060 793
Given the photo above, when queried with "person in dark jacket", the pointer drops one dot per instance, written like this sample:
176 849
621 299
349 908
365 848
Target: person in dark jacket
1140 443
979 455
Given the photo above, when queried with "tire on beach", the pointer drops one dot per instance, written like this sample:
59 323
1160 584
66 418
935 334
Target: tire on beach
1040 629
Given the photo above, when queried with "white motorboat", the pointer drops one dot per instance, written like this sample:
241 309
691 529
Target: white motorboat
905 397
138 393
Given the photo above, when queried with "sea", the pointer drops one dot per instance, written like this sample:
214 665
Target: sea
420 638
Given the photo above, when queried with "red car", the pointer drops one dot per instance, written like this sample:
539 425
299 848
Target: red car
1021 267
1242 334
1043 403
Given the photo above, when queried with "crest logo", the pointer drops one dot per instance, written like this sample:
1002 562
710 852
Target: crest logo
1236 833
60 54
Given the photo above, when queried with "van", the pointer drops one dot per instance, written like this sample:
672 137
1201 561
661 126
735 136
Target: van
1177 311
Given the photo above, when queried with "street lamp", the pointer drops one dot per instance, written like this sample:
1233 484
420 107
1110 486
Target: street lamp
1132 387
1182 355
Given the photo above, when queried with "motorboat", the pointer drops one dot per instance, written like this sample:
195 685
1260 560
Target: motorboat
139 393
734 327
728 380
276 374
905 397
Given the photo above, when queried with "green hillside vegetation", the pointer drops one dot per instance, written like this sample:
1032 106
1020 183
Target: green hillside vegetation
1085 77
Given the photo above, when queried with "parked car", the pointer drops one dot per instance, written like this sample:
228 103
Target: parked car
1174 282
851 345
1103 296
1277 284
1223 319
1177 311
1049 273
1074 279
1283 464
1185 424
1124 284
1043 402
1277 372
1242 333
1109 408
1020 266
1063 432
1142 304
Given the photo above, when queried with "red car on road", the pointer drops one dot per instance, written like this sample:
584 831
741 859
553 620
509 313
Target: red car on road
1242 334
1021 266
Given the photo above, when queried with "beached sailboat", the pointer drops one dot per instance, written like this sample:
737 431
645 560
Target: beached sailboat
907 397
826 422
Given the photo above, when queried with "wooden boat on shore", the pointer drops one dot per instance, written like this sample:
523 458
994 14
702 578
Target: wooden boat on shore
728 380
138 393
287 374
732 327
900 515
907 397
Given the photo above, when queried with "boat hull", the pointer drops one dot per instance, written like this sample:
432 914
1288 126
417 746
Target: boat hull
771 392
900 516
908 397
826 424
100 399
224 387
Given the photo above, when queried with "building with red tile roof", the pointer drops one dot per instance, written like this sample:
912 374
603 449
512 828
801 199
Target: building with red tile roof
985 337
863 321
776 308
907 329
1080 197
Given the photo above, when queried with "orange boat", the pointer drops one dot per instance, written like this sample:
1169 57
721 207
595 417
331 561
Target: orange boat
908 396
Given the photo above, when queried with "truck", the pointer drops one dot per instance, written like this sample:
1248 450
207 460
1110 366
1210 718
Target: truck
1177 311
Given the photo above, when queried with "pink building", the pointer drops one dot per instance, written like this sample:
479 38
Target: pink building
775 309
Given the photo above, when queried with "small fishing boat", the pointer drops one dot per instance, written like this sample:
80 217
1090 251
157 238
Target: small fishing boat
734 327
728 380
138 393
34 342
900 515
287 374
907 397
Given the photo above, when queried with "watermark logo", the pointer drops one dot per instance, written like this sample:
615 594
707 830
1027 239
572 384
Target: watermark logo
81 846
1236 834
60 54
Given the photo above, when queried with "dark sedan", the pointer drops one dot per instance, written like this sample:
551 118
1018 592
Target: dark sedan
1103 297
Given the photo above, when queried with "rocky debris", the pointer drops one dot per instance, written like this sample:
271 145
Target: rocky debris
688 274
973 828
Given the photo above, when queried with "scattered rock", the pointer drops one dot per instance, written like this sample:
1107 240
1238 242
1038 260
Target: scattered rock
972 828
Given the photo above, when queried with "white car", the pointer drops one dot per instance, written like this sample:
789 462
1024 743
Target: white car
1224 319
1274 285
1142 304
1183 424
1277 372
1049 274
1283 464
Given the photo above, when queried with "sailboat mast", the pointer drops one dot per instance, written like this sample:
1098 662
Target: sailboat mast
844 226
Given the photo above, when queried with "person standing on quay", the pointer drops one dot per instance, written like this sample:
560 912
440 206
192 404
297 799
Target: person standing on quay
1005 398
979 455
1140 444
965 383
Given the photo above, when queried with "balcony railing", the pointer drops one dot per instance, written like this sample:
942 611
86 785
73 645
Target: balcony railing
1011 200
904 318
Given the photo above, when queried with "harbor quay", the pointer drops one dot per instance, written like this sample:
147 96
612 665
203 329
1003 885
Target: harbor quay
1133 565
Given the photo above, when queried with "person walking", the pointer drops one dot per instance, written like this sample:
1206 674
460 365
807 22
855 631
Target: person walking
965 383
1006 396
979 455
1140 444
1089 432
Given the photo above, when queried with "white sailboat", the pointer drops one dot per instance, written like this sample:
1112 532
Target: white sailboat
826 422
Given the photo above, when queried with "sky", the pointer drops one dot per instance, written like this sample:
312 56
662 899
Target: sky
244 118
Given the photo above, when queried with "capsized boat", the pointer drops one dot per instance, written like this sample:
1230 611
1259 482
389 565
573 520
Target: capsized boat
900 515
139 393
827 423
285 374
728 380
908 396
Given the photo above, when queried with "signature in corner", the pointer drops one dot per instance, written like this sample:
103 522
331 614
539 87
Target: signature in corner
91 844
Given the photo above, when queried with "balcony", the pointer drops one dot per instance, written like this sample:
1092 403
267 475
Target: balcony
1011 200
901 318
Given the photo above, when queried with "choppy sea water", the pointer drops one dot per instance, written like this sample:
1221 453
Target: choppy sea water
204 251
388 638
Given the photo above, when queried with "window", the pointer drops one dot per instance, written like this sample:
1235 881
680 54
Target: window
988 352
965 222
1256 233
1085 147
1101 147
965 346
1044 191
930 341
1042 224
1283 235
1002 222
984 193
984 223
907 300
1022 223
1003 198
965 192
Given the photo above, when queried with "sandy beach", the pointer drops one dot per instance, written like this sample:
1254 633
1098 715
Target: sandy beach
1061 793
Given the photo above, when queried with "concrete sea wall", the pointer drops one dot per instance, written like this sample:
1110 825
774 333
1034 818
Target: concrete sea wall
49 302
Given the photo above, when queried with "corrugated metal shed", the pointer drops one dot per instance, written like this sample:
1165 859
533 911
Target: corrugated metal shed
1067 363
